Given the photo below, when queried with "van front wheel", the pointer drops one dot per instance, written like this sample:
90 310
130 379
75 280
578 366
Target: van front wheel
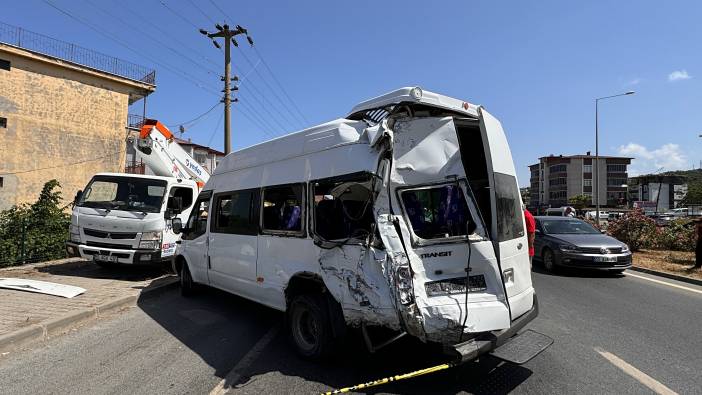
310 329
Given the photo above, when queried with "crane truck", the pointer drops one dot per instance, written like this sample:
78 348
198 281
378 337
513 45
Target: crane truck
127 218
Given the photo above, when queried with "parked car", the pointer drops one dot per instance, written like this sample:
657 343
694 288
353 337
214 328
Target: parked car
571 242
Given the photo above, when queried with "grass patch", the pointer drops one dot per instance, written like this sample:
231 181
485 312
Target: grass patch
674 262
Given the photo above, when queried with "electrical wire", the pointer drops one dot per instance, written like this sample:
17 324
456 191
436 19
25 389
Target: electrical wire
192 121
186 76
215 129
202 12
66 164
285 92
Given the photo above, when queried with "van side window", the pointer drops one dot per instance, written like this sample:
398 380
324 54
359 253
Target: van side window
283 209
509 218
197 223
343 207
237 212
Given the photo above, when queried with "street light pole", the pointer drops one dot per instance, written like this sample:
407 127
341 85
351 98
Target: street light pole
597 153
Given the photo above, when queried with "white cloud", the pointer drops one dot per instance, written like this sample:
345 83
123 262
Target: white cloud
679 75
668 156
635 81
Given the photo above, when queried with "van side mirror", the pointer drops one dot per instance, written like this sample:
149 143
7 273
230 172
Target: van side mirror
177 224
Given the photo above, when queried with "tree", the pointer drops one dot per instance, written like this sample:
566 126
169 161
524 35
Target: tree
694 194
579 201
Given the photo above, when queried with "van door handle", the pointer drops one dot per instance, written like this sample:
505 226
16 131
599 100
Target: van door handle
519 246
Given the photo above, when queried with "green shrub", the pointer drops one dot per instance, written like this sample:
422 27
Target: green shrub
635 229
679 235
36 232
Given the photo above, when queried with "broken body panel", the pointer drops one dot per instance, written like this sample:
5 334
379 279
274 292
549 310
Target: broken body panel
408 212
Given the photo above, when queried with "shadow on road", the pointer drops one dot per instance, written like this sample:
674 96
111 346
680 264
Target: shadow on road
89 269
222 328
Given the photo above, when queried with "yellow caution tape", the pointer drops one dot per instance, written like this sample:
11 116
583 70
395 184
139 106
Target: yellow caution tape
391 379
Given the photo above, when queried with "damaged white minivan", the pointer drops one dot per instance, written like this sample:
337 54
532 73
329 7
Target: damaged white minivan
405 215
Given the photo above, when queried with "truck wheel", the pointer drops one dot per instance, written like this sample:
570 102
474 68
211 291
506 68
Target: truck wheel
187 286
310 329
549 260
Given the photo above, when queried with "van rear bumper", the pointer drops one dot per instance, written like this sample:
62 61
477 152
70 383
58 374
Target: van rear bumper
486 342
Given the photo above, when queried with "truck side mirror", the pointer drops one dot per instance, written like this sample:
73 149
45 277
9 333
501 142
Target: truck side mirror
175 206
177 225
79 195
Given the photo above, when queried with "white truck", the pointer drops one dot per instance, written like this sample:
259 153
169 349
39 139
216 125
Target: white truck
405 214
126 218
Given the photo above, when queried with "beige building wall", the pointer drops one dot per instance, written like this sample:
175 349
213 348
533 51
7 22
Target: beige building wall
575 177
63 121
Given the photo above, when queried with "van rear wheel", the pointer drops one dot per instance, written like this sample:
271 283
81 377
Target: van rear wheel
310 329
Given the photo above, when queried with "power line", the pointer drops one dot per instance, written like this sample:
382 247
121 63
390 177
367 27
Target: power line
202 12
285 92
65 164
157 40
219 122
192 121
127 46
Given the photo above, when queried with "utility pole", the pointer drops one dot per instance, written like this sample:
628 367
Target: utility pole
228 36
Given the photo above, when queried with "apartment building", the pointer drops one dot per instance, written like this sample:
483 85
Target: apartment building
555 179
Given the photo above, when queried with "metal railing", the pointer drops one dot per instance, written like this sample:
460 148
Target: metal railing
21 38
135 121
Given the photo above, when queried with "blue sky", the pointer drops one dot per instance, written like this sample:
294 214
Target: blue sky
537 66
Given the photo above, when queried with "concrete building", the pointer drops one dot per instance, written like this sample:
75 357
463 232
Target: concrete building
557 178
63 113
657 193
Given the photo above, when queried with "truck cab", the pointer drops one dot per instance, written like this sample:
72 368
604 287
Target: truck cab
127 218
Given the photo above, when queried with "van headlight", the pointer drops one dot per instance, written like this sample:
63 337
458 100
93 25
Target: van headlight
74 231
150 240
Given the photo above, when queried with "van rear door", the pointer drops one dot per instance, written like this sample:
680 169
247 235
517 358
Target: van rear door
507 222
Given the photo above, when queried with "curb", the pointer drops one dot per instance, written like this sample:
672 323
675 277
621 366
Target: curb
59 325
667 275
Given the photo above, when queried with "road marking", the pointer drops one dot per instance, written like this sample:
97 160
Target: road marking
664 283
235 374
640 376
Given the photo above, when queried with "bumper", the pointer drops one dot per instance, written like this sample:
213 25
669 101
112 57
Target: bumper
130 257
587 261
472 349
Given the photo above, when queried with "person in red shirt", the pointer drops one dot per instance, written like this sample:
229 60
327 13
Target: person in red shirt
531 232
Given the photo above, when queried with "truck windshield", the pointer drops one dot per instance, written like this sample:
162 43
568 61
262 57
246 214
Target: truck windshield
124 193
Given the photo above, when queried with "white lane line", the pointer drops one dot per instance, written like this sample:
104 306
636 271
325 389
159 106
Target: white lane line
640 376
235 374
664 283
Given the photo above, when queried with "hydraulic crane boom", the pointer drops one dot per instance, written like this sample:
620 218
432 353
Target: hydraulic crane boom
157 147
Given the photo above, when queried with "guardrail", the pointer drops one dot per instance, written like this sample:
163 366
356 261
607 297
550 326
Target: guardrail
22 38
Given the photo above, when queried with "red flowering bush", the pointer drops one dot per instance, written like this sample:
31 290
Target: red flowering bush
679 235
636 230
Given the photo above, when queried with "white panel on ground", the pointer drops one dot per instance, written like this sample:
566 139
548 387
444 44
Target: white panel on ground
42 287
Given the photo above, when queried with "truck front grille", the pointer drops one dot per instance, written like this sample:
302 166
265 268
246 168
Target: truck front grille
110 235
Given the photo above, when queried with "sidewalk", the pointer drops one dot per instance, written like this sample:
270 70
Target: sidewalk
28 316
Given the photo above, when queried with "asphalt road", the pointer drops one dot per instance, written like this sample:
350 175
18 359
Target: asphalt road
173 345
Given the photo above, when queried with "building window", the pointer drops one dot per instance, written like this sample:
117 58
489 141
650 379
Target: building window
557 195
616 182
4 64
587 168
3 122
587 182
616 168
558 181
1 182
200 158
557 168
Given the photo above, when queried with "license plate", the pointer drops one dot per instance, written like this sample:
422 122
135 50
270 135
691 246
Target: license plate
605 259
105 258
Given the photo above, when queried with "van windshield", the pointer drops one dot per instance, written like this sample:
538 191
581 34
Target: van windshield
437 212
124 193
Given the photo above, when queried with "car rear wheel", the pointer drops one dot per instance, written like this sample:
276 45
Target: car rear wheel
549 260
310 329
